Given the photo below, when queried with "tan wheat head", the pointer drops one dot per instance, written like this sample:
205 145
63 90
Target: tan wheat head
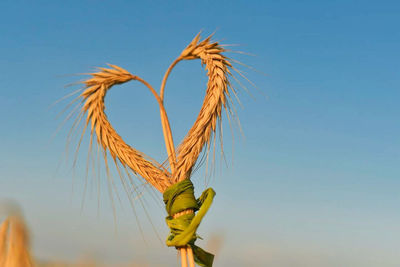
217 67
107 137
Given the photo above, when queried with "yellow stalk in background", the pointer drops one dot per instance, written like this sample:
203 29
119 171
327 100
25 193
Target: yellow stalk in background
14 243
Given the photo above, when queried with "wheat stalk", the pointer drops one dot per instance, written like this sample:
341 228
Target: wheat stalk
4 241
217 67
14 243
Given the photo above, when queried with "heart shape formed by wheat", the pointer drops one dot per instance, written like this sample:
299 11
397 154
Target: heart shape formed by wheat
200 134
181 162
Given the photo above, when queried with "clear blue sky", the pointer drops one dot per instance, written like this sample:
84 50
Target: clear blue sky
314 182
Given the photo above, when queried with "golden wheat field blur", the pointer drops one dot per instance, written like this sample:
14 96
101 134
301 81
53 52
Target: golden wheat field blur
15 248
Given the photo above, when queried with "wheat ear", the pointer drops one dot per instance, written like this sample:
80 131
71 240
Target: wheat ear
93 97
217 94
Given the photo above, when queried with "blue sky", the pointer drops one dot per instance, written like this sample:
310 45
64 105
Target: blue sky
313 182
